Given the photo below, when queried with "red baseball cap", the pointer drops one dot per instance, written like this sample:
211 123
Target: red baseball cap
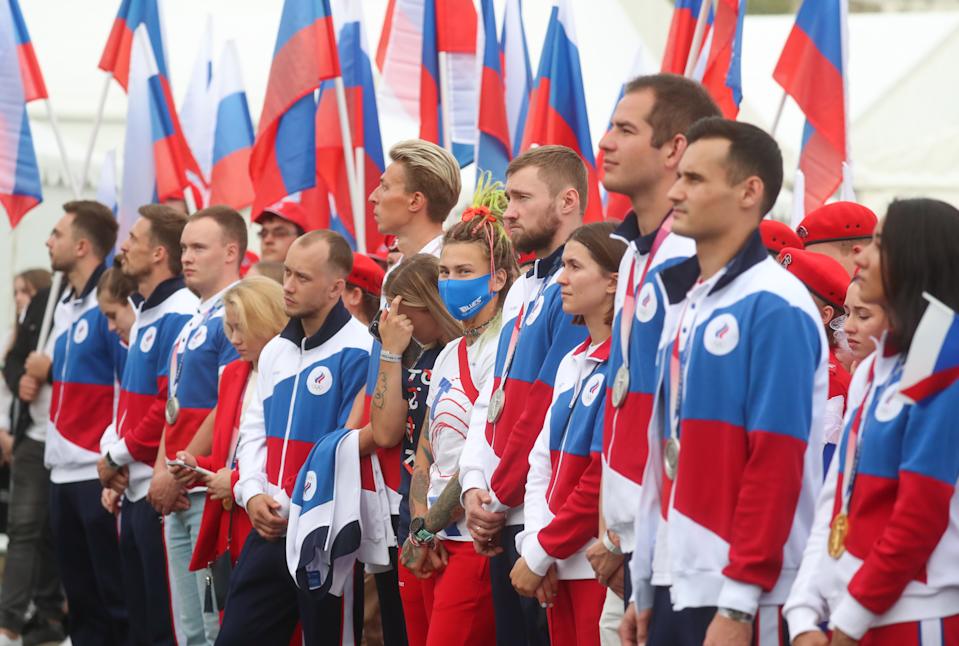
249 259
837 221
822 275
777 236
366 274
290 211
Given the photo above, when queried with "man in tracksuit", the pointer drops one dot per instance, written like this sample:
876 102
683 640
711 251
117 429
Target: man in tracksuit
309 383
151 255
547 191
735 439
87 362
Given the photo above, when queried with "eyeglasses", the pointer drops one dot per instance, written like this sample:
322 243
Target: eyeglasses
279 232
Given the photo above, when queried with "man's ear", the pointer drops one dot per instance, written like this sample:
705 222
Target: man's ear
673 151
417 202
752 193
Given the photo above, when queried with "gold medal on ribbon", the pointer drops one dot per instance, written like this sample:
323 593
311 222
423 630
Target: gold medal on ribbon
496 403
620 386
837 535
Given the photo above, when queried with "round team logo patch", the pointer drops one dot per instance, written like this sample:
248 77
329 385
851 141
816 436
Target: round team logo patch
320 380
721 335
309 486
890 404
535 311
197 339
81 331
646 303
592 389
146 341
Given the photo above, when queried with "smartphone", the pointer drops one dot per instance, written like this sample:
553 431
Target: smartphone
181 463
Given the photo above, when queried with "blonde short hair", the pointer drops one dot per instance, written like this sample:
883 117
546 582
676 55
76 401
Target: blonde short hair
257 302
432 171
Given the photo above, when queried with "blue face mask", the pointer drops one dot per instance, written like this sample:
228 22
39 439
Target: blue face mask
464 298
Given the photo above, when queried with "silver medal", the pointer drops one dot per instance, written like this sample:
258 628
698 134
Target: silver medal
172 410
496 403
671 457
620 386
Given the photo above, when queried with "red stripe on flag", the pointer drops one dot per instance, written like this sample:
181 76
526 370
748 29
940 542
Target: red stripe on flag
456 22
33 85
492 113
680 40
821 165
230 180
17 206
116 53
385 34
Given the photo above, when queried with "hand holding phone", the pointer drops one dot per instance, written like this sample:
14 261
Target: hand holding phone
180 463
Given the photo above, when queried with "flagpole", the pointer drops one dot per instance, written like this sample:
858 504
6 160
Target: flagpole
63 151
697 37
444 102
348 156
779 115
96 129
359 221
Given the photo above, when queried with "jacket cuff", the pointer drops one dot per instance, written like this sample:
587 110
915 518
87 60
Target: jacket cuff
642 594
472 479
120 453
496 505
801 620
246 489
536 557
852 617
740 596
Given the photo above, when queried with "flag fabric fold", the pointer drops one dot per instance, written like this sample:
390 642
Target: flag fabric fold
932 364
493 136
198 116
557 110
680 38
719 65
232 134
33 85
517 73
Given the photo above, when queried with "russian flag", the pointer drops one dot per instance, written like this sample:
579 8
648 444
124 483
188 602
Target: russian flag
20 82
449 27
399 58
557 111
177 158
283 160
493 143
721 58
680 39
232 135
364 128
933 361
811 69
198 116
517 73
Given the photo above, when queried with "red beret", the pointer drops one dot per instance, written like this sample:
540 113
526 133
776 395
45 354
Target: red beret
777 236
822 275
290 211
837 221
366 274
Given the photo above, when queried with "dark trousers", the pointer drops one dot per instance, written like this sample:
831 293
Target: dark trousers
388 591
520 621
88 556
627 579
30 573
264 604
145 578
687 627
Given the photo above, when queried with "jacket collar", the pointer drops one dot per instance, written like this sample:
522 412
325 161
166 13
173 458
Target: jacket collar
546 267
599 354
628 231
335 320
680 278
90 285
163 291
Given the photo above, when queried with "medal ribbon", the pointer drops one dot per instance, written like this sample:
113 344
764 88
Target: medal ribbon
854 442
176 364
632 289
677 375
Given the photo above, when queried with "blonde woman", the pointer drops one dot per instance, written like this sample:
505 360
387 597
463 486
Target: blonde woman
253 314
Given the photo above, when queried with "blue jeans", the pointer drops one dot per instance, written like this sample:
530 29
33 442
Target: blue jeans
193 625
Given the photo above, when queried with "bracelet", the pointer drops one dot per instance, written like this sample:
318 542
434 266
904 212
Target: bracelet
610 545
735 615
110 461
390 357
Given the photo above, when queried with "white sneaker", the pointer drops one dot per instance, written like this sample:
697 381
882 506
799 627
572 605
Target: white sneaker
6 641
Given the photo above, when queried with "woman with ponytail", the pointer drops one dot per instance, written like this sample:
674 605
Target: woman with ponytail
477 266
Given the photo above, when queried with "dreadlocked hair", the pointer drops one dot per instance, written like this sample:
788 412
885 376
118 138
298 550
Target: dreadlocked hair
482 224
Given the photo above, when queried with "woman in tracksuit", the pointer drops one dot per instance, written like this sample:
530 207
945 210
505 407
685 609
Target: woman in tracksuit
562 488
880 565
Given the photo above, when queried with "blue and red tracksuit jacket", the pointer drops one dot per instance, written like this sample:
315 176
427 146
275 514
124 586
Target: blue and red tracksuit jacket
753 355
624 431
88 361
902 546
562 488
497 456
199 355
143 391
305 389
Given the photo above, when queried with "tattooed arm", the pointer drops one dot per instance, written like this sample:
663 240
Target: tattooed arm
414 557
447 508
389 408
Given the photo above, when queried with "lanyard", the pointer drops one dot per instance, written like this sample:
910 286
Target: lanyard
632 289
678 365
514 335
177 364
854 443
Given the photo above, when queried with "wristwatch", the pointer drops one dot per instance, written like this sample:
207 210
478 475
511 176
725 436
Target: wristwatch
418 532
735 615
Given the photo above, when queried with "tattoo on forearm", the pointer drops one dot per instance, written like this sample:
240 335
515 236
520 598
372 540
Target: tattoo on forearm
408 555
379 395
447 509
419 486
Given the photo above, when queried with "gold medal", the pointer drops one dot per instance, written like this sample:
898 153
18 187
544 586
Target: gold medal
837 535
496 403
620 386
671 457
172 410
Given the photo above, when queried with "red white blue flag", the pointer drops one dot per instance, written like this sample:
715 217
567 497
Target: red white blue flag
493 145
232 134
20 82
517 73
283 160
557 109
680 39
720 61
811 69
933 361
